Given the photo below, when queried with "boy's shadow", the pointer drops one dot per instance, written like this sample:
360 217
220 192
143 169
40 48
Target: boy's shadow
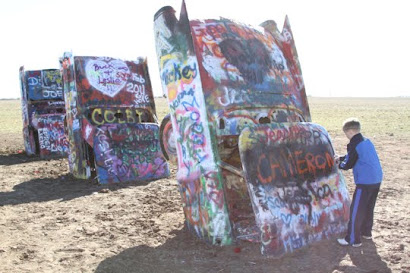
365 259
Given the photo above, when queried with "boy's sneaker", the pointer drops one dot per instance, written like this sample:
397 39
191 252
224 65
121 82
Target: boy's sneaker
343 242
367 237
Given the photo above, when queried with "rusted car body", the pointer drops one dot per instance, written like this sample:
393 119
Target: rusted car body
111 120
43 112
251 165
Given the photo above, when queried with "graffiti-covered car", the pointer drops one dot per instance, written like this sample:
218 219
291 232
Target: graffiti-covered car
43 112
251 164
111 120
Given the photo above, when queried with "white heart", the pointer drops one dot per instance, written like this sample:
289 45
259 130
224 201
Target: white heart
108 77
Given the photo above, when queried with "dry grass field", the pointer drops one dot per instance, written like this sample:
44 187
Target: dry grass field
52 222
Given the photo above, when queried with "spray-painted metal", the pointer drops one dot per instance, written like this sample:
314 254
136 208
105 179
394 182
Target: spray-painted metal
296 190
251 165
111 120
43 112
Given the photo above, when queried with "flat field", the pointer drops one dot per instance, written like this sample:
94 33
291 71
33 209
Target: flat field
52 222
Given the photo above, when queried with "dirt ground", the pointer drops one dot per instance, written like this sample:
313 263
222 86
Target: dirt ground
52 222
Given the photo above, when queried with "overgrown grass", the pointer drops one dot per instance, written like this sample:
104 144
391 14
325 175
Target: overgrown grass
161 105
11 121
379 116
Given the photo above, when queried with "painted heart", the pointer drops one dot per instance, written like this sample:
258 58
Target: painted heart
108 77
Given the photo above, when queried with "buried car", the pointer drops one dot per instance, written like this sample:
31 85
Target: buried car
43 111
251 164
111 120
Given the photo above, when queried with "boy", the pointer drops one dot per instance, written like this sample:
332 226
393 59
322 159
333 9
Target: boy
367 171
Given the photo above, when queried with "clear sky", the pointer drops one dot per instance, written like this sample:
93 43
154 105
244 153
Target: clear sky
355 48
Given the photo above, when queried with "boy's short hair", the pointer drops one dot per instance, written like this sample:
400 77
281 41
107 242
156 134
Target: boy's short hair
351 124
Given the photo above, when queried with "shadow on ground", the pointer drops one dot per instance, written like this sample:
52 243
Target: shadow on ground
184 253
64 187
18 158
364 259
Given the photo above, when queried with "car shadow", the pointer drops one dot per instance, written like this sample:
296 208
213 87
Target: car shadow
63 187
19 158
185 253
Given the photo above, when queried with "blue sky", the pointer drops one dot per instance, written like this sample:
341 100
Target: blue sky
346 48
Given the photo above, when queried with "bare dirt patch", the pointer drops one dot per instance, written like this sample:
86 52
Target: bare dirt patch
52 222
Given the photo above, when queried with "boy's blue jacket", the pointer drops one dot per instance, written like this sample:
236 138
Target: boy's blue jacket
362 157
